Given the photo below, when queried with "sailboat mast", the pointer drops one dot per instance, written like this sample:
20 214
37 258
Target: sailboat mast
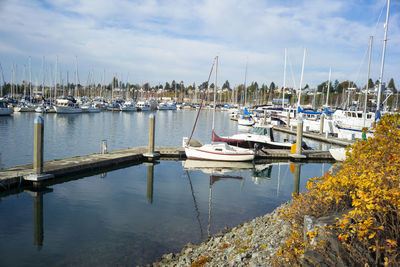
367 85
378 102
215 91
244 89
329 85
301 77
76 76
30 80
284 80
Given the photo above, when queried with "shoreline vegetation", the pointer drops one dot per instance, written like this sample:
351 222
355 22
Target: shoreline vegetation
348 217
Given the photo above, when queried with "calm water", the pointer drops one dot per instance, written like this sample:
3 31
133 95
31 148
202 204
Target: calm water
68 135
135 214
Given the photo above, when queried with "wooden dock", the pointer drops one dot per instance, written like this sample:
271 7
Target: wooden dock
14 176
316 136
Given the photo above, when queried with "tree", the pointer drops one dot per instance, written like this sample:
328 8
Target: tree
370 83
392 86
167 87
272 86
226 85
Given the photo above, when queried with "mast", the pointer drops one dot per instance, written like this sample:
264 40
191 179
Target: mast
301 77
76 77
55 79
24 84
284 80
244 89
367 85
215 92
43 78
329 85
378 102
30 80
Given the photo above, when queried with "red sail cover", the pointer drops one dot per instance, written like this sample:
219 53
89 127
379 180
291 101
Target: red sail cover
216 138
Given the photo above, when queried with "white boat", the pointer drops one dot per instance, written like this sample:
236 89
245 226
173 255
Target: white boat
220 152
4 110
162 106
128 106
339 154
67 106
246 120
260 136
43 108
217 151
23 107
89 107
143 106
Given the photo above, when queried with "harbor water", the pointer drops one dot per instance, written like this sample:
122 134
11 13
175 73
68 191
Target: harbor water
132 215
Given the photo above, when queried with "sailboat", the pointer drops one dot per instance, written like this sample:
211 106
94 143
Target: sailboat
216 151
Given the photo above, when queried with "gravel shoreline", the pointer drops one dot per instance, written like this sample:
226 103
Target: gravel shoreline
250 244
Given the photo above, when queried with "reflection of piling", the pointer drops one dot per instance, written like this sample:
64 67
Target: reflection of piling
38 228
321 126
150 177
296 183
288 119
38 220
38 146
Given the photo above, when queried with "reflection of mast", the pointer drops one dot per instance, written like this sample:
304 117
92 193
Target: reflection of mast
213 179
279 179
38 231
195 206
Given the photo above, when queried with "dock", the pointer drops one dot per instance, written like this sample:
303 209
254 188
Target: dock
316 136
14 176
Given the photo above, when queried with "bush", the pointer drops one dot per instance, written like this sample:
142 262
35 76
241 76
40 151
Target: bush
366 190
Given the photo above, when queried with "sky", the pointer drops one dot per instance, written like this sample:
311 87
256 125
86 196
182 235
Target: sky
160 41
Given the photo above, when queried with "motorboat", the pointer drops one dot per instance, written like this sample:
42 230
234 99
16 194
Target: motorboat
339 154
4 110
143 106
128 106
260 136
89 107
67 105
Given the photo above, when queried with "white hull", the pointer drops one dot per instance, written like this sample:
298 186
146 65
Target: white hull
246 122
220 152
6 111
128 109
67 110
339 154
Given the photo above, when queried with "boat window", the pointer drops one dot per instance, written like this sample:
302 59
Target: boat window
354 115
359 115
348 114
369 116
218 149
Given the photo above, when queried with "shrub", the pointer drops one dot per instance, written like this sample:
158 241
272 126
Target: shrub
367 189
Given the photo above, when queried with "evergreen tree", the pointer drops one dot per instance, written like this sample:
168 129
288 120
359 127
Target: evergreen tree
392 86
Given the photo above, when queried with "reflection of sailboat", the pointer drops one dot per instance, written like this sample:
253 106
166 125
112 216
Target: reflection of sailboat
216 166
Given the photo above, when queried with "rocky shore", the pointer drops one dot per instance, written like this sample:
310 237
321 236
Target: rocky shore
250 244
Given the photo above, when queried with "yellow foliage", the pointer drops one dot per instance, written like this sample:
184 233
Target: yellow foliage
368 187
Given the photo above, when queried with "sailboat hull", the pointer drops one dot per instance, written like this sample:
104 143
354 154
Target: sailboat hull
220 152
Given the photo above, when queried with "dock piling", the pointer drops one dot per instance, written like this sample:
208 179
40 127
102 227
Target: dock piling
38 145
321 126
299 138
103 147
151 154
38 174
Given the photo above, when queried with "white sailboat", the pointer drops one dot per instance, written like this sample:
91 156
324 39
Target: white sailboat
220 151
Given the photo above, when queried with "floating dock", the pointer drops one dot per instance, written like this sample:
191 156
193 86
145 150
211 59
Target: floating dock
316 136
14 176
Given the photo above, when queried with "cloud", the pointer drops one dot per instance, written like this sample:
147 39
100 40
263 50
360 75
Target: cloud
158 41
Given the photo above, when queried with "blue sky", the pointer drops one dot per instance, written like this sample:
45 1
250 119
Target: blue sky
158 41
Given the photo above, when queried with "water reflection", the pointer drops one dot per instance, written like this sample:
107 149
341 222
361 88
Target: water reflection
38 229
150 181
